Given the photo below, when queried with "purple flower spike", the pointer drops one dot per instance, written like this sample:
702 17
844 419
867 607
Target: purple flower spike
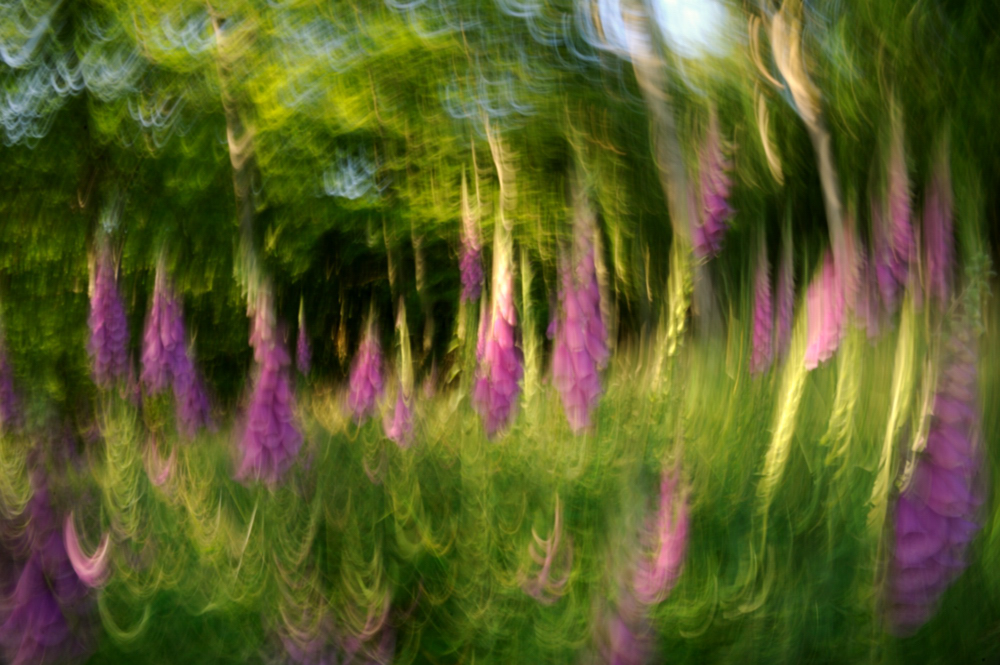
656 575
367 382
159 349
398 425
936 514
303 354
11 416
166 359
763 317
471 265
825 303
715 184
190 398
581 340
271 439
108 325
893 237
497 384
939 249
627 640
470 261
36 629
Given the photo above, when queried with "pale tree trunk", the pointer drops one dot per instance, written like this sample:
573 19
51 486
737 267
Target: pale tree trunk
651 74
786 44
240 139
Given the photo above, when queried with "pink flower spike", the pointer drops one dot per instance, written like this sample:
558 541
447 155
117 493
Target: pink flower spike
715 211
366 382
939 242
108 324
398 425
825 306
500 365
763 317
581 344
656 575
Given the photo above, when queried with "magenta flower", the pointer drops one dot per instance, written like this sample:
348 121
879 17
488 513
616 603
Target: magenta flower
35 627
936 513
190 399
398 424
715 185
108 326
498 376
163 338
656 575
627 639
271 439
763 317
939 249
471 265
893 237
367 381
470 257
825 305
303 354
581 340
166 359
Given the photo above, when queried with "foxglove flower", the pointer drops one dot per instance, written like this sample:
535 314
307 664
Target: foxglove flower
763 317
190 398
893 236
936 514
163 338
627 638
271 439
714 187
303 354
656 575
581 340
471 265
939 249
398 424
470 261
36 629
108 325
367 381
498 377
826 304
166 359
